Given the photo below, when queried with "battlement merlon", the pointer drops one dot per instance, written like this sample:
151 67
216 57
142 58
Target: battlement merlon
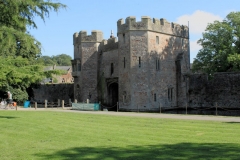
155 25
75 38
96 37
110 44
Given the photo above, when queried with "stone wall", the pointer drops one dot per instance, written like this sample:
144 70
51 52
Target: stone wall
88 86
139 70
224 89
149 83
108 70
124 63
53 92
86 52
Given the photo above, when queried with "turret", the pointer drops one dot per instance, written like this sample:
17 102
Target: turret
96 36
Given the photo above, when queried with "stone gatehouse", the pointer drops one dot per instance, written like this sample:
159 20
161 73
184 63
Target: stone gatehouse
142 68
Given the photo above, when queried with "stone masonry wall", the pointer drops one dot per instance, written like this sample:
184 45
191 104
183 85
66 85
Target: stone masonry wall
88 86
149 84
53 92
105 60
86 52
224 89
124 71
139 70
164 78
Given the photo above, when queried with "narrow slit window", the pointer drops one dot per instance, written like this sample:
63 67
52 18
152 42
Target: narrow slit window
124 38
157 64
155 97
124 62
124 98
139 62
170 94
157 40
79 66
112 69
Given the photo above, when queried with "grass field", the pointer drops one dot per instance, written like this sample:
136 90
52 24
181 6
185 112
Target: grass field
59 135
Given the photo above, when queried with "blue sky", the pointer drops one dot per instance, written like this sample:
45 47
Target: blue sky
56 33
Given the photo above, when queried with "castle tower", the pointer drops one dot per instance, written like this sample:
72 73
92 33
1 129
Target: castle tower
143 69
153 55
85 65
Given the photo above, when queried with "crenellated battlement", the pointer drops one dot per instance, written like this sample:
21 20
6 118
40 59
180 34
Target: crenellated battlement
96 36
156 25
110 44
75 38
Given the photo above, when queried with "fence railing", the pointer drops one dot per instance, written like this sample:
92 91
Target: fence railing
50 104
212 110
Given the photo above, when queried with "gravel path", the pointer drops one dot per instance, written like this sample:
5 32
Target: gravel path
147 115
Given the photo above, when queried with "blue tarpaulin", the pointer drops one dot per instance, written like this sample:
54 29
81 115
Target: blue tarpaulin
86 106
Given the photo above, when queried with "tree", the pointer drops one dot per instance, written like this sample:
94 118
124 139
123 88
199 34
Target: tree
17 74
62 60
59 60
220 46
15 17
46 60
19 50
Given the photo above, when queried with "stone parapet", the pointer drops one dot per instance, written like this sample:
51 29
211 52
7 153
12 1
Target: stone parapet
96 36
110 44
155 25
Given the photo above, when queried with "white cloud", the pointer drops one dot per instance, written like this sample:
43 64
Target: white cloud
198 21
194 46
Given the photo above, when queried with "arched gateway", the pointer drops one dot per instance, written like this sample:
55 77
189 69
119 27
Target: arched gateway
113 94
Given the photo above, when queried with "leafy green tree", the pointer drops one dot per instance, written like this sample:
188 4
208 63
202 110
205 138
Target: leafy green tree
62 60
220 46
59 60
17 43
19 50
19 73
15 17
46 60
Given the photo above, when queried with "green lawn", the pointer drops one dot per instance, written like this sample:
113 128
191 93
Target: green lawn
60 135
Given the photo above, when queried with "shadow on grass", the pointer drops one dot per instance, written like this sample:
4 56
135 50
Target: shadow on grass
232 122
8 117
186 151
